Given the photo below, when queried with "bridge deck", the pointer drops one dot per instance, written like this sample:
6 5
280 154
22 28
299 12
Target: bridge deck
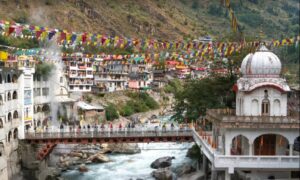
110 136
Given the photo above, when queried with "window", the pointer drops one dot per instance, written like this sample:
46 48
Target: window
37 91
265 105
15 95
81 87
45 91
71 87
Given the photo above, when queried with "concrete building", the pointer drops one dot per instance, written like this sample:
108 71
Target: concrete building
140 76
259 139
16 109
25 100
80 73
111 74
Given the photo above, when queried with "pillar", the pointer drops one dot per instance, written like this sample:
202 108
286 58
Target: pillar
227 175
214 175
227 148
291 149
250 149
204 166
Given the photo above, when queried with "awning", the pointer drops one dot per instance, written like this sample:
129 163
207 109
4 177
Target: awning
85 106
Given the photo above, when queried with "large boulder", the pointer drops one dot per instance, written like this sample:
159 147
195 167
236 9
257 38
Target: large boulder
82 168
162 162
163 174
184 169
98 158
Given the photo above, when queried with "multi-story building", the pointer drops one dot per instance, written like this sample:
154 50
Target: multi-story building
111 74
159 78
51 97
259 139
140 76
80 73
16 109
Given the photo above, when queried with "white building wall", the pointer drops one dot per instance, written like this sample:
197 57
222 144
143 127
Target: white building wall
246 102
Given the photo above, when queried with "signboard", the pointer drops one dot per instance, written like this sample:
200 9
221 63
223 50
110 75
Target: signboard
27 97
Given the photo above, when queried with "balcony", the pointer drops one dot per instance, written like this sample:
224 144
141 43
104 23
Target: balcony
228 119
231 162
11 86
255 162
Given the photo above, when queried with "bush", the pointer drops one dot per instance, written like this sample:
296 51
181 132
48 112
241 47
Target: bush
111 112
126 110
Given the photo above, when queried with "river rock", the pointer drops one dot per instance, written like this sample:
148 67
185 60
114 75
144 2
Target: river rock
98 158
123 148
163 174
76 154
184 169
82 168
162 162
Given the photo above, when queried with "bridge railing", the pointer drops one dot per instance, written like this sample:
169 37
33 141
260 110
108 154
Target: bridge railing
109 133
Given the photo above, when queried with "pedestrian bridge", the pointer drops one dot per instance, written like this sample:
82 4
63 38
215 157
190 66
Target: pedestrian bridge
132 135
108 136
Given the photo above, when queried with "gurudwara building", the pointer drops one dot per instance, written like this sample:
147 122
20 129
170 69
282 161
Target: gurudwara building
259 139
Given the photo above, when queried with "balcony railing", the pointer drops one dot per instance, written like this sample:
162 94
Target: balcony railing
228 116
244 161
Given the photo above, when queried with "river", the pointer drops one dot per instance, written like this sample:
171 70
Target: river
125 167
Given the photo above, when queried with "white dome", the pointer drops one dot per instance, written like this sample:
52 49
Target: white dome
262 63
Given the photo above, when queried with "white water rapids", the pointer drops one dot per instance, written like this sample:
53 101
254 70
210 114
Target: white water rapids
126 167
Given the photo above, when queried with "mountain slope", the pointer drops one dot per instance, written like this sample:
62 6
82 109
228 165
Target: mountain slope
163 19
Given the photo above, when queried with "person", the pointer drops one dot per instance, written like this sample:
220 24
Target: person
172 126
95 128
128 127
120 126
83 128
164 127
111 127
61 129
102 127
79 129
88 127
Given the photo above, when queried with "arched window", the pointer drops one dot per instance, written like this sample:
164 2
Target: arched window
15 95
15 133
265 105
14 78
38 109
8 78
15 115
38 123
276 107
239 145
46 108
1 100
9 117
8 96
271 144
1 124
9 136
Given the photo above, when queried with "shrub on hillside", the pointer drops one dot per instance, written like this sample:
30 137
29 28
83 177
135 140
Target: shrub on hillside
111 112
126 110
